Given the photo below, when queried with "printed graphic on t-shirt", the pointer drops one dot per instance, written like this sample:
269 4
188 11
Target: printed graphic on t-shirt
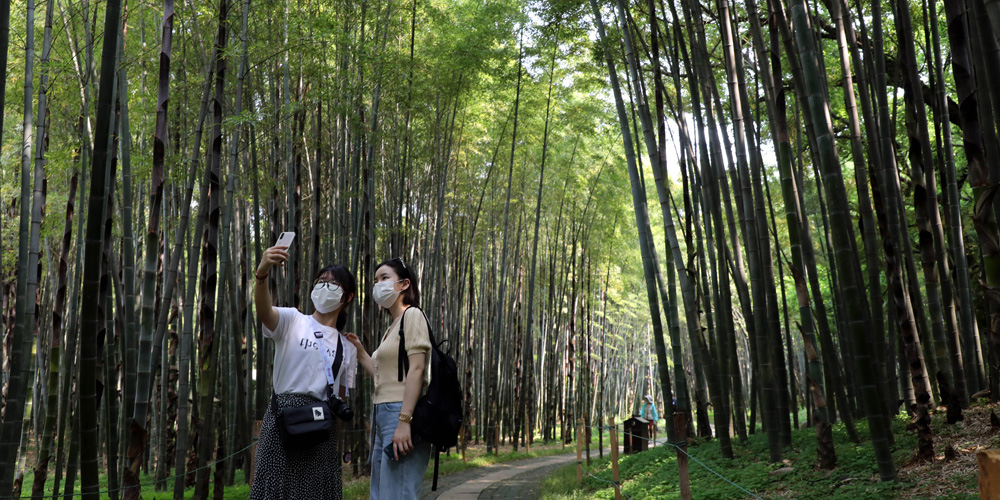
298 363
313 345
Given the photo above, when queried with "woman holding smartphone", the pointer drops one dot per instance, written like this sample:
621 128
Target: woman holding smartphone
310 351
398 457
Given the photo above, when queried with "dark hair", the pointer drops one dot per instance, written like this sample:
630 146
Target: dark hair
347 283
411 296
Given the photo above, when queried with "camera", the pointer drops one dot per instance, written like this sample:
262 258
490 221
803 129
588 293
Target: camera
341 409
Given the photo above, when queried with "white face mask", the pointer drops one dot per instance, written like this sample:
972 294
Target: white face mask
385 293
326 297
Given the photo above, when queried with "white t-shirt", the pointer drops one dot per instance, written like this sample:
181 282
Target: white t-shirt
298 364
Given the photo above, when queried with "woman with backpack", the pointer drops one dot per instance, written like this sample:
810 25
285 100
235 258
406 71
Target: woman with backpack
314 366
399 458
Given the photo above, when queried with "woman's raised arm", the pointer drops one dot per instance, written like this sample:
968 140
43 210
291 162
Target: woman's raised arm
266 313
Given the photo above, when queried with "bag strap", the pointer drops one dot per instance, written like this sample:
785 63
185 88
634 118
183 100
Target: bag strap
403 363
437 455
338 359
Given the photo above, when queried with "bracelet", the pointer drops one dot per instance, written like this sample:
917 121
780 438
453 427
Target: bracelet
262 278
405 418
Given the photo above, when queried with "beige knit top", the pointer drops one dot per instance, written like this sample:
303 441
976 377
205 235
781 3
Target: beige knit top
388 388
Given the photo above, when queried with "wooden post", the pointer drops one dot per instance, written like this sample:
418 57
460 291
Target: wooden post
253 449
680 426
579 453
614 459
989 474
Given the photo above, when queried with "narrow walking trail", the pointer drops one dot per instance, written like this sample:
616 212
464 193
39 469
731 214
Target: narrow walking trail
520 480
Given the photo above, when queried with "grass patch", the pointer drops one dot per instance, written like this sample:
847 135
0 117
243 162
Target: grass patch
239 490
653 474
562 484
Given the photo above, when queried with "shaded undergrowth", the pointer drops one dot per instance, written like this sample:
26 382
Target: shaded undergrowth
653 474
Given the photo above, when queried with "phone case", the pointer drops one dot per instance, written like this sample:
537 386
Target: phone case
285 239
389 452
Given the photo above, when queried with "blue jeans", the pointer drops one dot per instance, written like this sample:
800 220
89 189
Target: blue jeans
395 480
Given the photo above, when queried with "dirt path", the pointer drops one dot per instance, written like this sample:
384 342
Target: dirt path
520 480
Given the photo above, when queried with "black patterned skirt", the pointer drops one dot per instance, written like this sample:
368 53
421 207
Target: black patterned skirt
280 473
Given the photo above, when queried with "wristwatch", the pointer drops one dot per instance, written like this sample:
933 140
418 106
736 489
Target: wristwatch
405 418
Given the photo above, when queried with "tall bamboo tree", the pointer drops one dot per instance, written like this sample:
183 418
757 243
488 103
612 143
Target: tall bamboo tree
208 361
500 315
846 255
981 177
23 331
794 215
45 445
93 250
138 434
928 218
967 343
646 246
528 345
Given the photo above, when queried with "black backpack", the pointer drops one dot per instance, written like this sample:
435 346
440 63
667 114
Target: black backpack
437 417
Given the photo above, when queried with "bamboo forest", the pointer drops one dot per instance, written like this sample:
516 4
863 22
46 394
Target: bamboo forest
777 218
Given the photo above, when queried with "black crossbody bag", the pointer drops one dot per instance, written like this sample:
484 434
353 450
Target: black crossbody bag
308 425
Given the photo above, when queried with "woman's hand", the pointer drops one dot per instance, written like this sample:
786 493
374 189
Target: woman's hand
363 357
274 256
402 440
352 338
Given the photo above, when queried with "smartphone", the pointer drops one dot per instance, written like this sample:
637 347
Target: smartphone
285 239
389 452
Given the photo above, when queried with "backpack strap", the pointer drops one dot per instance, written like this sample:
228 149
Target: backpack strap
403 364
437 455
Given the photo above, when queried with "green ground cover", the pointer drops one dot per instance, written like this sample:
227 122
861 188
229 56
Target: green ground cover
653 474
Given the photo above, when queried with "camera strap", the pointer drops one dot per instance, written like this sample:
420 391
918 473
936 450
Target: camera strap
329 368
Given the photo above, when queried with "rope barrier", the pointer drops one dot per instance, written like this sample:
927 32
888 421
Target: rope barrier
612 483
154 483
699 462
679 445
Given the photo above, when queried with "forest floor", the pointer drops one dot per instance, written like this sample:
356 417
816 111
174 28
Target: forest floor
653 474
